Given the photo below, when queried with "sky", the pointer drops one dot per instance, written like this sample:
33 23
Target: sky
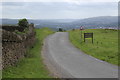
57 9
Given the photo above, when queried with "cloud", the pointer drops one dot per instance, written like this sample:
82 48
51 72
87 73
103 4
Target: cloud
13 4
58 10
69 1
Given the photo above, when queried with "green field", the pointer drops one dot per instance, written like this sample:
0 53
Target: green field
32 66
105 46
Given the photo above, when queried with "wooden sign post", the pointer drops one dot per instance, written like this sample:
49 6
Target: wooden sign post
88 35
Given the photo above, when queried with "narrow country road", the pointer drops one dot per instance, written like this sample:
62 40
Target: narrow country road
66 61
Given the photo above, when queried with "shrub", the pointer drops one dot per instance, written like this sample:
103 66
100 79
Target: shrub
60 29
23 23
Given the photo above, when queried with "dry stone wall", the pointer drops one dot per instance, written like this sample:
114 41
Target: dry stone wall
14 46
13 28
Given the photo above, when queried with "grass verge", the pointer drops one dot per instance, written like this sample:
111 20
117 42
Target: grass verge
105 46
32 66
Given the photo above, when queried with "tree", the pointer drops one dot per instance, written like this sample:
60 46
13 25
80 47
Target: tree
60 29
23 23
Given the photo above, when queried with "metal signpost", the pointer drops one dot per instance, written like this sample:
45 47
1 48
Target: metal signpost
81 28
88 35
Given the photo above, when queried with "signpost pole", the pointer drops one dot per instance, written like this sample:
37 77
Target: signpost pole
81 34
84 37
81 28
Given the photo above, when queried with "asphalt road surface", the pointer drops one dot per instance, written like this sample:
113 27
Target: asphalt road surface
66 61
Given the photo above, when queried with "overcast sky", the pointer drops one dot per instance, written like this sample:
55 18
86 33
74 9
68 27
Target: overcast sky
58 9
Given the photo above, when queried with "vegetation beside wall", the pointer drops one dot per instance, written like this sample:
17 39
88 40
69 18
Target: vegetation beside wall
32 65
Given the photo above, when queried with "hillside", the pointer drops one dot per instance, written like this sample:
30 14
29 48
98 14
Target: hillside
97 22
104 47
94 22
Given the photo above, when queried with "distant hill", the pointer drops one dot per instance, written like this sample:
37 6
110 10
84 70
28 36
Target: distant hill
94 22
37 21
9 21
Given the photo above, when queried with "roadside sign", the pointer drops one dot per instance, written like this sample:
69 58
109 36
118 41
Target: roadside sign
88 35
81 28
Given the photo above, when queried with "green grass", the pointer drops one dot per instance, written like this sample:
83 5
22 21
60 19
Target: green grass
105 46
32 66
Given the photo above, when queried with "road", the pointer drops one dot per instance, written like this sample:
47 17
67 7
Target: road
66 61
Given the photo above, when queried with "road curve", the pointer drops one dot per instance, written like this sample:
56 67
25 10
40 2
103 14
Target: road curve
66 61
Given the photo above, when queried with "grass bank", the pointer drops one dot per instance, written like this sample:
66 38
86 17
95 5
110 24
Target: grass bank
105 46
32 66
